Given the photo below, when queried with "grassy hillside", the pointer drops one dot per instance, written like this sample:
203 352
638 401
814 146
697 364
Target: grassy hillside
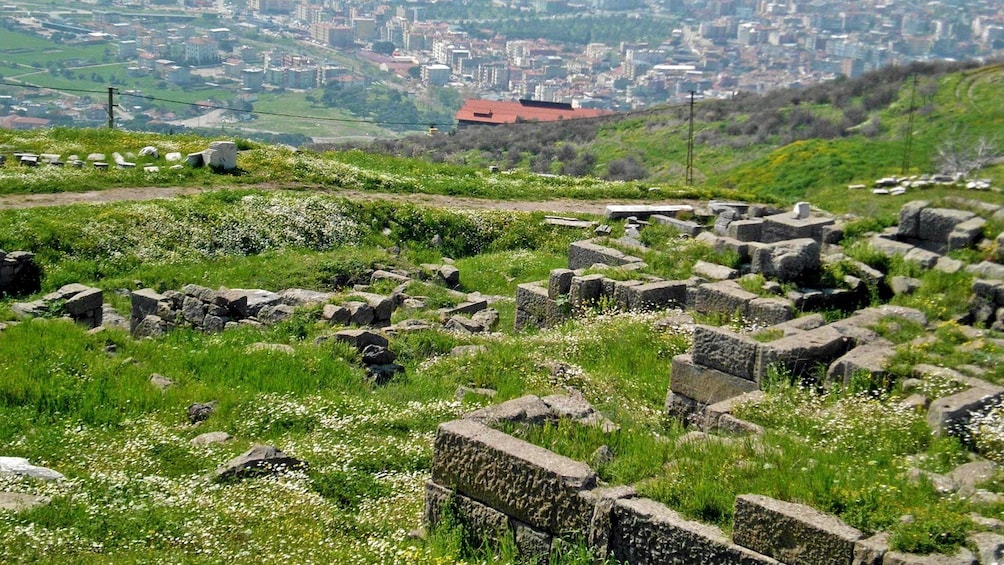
784 145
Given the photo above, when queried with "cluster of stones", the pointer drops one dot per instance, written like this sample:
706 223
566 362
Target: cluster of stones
782 247
498 485
484 475
82 304
19 274
220 155
896 186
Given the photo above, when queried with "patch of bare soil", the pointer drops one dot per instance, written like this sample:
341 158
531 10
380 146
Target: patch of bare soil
558 206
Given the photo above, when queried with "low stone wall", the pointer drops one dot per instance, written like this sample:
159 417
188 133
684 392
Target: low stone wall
82 304
495 485
585 254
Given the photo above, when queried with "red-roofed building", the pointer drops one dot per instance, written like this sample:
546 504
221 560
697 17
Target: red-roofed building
495 112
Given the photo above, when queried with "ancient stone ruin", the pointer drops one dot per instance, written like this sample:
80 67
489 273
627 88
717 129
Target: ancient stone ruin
499 485
221 156
19 274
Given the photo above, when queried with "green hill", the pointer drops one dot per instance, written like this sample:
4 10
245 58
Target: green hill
784 145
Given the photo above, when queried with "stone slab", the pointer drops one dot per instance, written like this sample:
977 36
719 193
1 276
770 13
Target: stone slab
524 481
795 534
727 351
705 385
646 532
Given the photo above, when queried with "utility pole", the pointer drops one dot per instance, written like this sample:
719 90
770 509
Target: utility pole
690 144
909 128
111 107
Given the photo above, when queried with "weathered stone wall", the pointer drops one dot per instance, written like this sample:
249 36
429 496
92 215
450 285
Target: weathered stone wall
19 274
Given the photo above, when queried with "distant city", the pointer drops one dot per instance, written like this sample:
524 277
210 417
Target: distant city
628 54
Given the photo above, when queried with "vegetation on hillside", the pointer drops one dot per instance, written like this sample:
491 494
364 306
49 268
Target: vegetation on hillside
786 144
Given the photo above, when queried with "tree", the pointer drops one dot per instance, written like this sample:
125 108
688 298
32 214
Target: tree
384 47
958 155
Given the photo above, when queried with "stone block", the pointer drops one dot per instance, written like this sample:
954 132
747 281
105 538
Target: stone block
559 282
784 226
535 309
867 359
746 230
966 234
84 302
909 219
529 409
221 155
657 295
987 270
685 227
585 290
770 311
486 522
645 532
726 244
622 294
715 272
705 385
936 224
795 534
725 297
468 308
642 211
802 353
951 414
361 338
526 482
926 259
145 302
788 260
584 254
726 351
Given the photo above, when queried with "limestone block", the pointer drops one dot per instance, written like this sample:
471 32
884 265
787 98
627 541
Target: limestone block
559 282
622 293
705 385
770 311
951 414
746 230
528 409
926 259
966 234
909 218
585 290
84 302
714 272
726 351
361 338
787 260
484 521
802 353
584 254
685 227
657 295
526 482
784 226
726 297
870 358
726 244
792 533
145 302
937 223
646 532
221 155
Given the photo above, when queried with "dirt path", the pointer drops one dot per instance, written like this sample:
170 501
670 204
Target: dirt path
560 206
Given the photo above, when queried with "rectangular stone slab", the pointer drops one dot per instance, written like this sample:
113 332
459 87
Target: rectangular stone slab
525 481
646 532
792 533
